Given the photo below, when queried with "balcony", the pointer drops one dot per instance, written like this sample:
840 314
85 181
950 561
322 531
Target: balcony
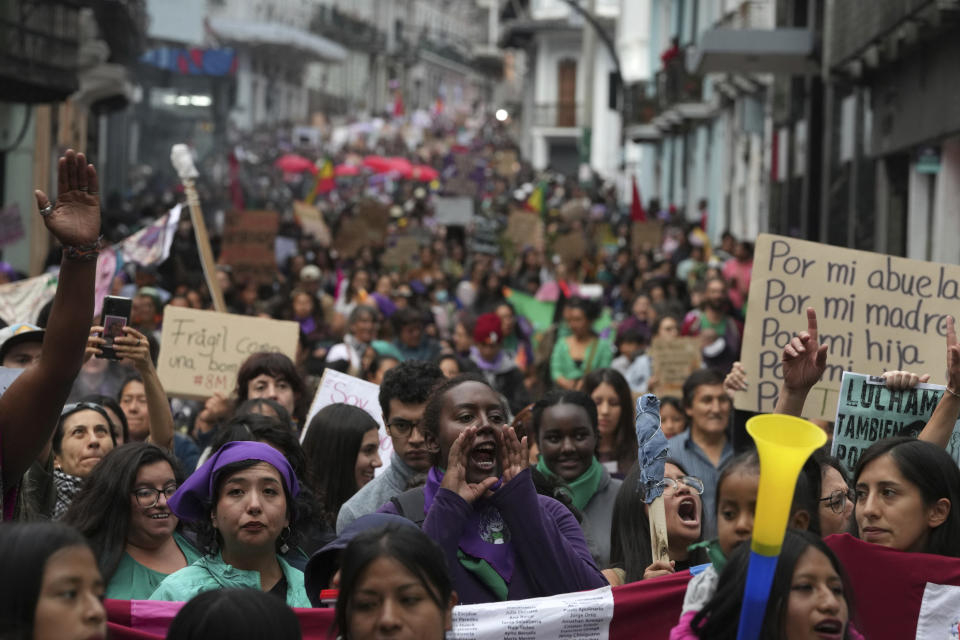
558 114
488 59
38 53
642 107
348 30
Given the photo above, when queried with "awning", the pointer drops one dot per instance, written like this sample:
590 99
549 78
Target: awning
787 51
279 35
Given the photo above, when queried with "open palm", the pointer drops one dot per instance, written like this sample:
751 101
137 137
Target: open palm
75 219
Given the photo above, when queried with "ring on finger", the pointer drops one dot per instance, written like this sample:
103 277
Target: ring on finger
47 210
84 188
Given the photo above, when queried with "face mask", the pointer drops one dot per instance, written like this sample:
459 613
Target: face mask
441 296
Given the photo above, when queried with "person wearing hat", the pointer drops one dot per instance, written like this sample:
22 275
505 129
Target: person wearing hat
30 408
323 568
242 500
497 367
20 345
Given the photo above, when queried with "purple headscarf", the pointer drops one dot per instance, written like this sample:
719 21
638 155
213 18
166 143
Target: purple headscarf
192 500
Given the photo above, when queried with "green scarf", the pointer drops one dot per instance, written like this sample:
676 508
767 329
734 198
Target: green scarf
583 488
485 573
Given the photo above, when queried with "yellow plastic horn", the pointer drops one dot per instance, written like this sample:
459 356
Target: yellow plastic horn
783 443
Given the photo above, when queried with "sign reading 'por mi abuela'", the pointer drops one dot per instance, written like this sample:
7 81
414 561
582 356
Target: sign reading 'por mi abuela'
875 312
201 351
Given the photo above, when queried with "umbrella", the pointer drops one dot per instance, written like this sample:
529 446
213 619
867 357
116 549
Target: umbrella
401 166
379 164
293 163
424 173
345 170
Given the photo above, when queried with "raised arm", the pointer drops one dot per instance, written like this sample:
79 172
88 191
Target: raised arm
30 408
135 347
944 417
804 361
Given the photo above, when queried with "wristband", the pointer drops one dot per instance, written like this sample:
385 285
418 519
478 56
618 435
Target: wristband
83 252
952 392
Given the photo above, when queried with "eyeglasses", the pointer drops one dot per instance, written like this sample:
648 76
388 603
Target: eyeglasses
149 497
695 484
837 499
402 428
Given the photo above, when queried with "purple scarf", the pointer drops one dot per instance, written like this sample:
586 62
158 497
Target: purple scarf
482 364
484 525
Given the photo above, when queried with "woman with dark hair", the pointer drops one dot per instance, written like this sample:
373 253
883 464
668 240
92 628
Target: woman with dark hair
41 564
361 332
617 447
908 497
836 497
579 351
810 596
123 511
261 428
242 500
342 448
630 551
228 614
149 419
516 335
565 426
266 407
118 421
82 437
274 376
673 419
394 581
485 535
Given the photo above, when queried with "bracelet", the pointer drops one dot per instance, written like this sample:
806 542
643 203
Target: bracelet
952 392
83 252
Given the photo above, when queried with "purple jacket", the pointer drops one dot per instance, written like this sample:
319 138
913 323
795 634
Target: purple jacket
552 555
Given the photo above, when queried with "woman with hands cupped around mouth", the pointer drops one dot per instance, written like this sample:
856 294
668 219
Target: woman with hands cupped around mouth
501 540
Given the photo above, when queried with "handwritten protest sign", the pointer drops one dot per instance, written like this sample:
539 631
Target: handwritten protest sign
336 387
401 251
505 163
11 225
248 245
645 235
673 361
201 351
868 411
366 227
875 313
524 229
570 247
454 212
312 222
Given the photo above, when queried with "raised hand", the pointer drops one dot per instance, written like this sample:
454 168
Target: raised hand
74 219
455 479
736 380
514 453
94 343
134 347
904 379
804 358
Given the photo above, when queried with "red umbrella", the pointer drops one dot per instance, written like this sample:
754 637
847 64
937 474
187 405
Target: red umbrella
401 166
345 170
293 163
424 173
379 164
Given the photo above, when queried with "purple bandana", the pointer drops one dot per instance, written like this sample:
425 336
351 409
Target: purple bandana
485 535
192 500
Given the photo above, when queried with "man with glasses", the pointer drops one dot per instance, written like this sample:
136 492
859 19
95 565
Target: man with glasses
403 396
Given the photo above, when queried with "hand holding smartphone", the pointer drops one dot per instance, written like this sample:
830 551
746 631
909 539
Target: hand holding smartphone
116 315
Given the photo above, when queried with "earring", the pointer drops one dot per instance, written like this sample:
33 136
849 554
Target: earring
284 547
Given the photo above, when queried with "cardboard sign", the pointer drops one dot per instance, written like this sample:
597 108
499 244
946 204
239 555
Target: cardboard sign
868 411
351 237
875 313
505 163
312 222
336 387
248 245
460 186
376 218
402 251
570 247
645 235
673 361
201 351
525 229
454 212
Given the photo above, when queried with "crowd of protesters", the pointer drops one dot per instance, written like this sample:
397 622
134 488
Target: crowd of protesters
513 471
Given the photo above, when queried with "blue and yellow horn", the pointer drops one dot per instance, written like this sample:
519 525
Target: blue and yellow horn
783 444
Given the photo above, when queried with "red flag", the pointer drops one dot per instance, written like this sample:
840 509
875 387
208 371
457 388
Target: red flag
637 214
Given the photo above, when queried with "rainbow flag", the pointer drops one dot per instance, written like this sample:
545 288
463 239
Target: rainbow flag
325 182
537 200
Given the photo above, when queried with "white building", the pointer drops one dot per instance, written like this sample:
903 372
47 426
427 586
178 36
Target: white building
566 101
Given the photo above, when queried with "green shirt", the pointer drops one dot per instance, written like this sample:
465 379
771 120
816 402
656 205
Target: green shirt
133 581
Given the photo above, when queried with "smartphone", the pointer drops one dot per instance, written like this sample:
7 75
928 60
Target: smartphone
116 315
